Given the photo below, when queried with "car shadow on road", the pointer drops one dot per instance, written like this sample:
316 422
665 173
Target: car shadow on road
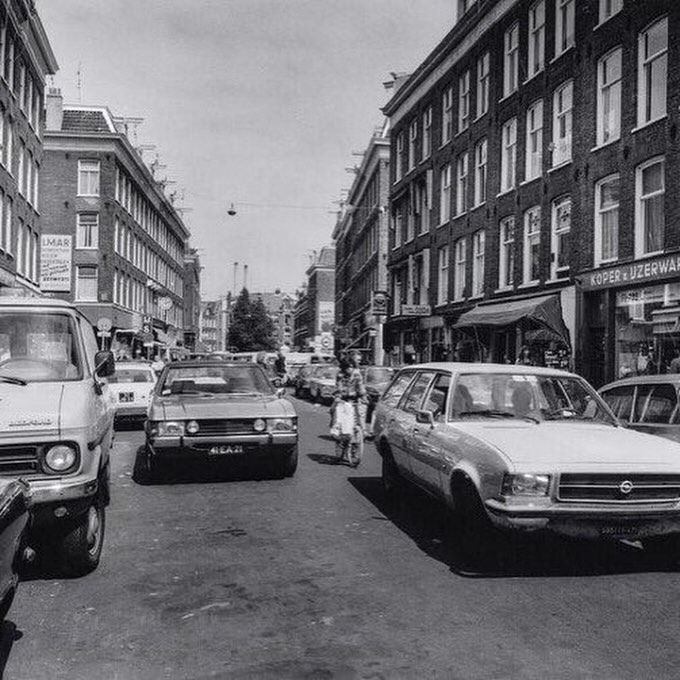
202 472
9 634
428 525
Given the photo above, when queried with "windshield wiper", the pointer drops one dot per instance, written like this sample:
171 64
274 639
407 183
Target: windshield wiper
495 413
12 380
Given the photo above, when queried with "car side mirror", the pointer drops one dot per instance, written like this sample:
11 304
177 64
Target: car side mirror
425 417
104 364
280 393
277 382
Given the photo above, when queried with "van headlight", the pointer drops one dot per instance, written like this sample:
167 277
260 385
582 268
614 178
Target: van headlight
60 457
282 424
526 485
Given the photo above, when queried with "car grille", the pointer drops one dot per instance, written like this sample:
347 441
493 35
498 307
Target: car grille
19 460
618 488
209 428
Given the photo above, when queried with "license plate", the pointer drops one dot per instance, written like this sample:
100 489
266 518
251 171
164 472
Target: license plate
126 396
226 450
623 530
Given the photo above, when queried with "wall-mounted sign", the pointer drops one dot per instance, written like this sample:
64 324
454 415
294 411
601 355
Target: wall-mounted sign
56 263
416 310
379 303
632 273
325 316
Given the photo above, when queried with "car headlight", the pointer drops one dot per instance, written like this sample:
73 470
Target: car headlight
259 425
169 428
192 427
526 485
282 424
60 457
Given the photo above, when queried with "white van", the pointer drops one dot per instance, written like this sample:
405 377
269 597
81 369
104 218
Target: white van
56 425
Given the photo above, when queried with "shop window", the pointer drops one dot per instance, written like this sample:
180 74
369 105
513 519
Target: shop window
560 238
532 245
607 220
510 60
620 400
652 72
650 216
609 97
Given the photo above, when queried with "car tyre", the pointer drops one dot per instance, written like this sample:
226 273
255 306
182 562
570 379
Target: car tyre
290 463
81 547
392 481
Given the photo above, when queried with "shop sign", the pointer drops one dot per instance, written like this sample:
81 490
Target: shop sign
631 273
416 310
55 263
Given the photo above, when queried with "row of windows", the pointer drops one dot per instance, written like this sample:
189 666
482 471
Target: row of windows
27 252
365 248
133 294
23 166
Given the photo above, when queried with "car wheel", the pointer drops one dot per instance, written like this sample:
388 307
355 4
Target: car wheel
392 481
289 464
665 549
472 531
81 546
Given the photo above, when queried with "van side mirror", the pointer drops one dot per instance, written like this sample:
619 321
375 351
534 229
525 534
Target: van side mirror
104 364
425 417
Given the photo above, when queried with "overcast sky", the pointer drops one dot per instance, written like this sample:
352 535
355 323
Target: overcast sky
247 101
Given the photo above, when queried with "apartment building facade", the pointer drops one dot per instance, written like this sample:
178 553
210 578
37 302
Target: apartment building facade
360 237
532 200
280 308
212 331
113 242
26 59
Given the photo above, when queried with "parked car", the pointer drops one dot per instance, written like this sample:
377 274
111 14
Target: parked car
131 387
647 403
376 379
522 449
56 425
301 385
14 518
208 410
322 383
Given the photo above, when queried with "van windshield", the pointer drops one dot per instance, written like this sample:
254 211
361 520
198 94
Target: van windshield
39 346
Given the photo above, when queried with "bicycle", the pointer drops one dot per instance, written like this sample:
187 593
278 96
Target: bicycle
348 432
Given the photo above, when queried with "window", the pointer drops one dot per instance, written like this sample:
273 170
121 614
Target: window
508 155
20 170
398 226
609 97
87 235
447 115
478 263
652 72
435 401
399 168
412 138
427 133
564 25
480 172
445 195
396 390
8 224
608 8
656 404
464 101
506 256
8 142
510 60
536 38
649 218
561 227
462 183
86 284
561 142
532 245
607 220
415 393
459 271
443 273
534 160
482 85
88 178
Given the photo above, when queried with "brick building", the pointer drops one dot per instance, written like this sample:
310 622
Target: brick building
280 308
360 237
125 243
532 197
26 58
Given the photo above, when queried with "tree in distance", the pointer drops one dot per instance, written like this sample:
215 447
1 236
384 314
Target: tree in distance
251 329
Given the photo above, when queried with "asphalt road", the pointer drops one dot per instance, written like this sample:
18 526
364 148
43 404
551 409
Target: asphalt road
208 575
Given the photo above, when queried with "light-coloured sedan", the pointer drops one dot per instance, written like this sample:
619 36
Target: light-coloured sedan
526 449
322 383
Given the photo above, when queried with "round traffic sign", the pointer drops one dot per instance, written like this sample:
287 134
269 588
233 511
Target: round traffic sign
164 303
325 342
104 324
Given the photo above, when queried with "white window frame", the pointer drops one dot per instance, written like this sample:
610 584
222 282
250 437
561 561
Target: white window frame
483 79
79 293
94 170
81 242
609 71
639 207
427 134
600 211
447 115
557 230
564 25
563 102
536 39
511 60
509 155
534 141
460 269
478 252
445 194
481 159
506 252
412 139
464 101
462 183
399 167
647 66
443 275
608 8
532 229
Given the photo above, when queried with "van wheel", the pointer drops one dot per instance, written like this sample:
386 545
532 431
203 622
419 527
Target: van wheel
81 547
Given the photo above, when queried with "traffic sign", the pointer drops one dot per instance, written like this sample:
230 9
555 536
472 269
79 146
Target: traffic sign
104 324
164 303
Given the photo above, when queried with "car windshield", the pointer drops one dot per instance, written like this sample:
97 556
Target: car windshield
133 375
326 373
378 375
532 397
39 346
216 379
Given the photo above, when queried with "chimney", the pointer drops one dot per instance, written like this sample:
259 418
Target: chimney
54 105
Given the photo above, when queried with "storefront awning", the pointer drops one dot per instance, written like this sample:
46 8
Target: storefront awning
545 310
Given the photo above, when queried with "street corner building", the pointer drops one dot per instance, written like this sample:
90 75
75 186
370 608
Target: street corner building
532 199
113 242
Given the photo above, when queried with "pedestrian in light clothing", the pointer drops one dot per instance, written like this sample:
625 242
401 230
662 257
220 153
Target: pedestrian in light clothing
350 386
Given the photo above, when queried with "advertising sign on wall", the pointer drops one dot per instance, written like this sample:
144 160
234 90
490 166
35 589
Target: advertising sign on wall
325 317
56 263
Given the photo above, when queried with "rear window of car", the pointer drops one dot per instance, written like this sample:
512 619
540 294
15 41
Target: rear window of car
657 404
620 400
216 379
